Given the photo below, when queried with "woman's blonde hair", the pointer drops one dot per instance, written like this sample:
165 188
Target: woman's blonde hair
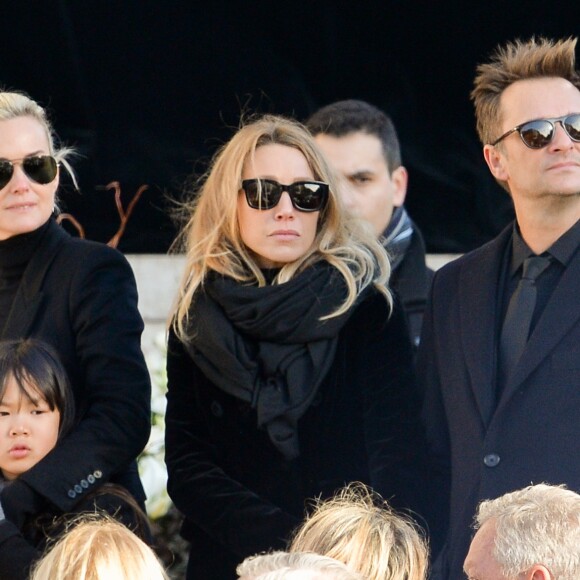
99 548
211 236
14 105
360 529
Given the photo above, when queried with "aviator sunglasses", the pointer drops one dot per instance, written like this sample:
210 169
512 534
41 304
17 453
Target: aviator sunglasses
40 169
539 133
266 193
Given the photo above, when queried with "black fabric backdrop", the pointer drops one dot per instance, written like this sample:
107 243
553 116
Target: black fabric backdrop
146 90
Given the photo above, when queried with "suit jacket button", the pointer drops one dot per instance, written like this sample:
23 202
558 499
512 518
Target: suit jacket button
78 488
71 493
98 474
84 483
491 460
91 478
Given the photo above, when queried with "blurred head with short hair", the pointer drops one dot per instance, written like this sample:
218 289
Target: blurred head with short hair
529 534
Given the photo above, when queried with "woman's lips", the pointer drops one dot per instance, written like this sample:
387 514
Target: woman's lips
21 206
285 234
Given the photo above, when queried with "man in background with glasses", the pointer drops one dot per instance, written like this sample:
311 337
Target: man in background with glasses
500 353
361 143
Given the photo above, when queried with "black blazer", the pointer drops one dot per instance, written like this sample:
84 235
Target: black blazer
81 298
480 448
237 492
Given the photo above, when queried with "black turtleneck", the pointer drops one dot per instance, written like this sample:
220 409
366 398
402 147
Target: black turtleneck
15 253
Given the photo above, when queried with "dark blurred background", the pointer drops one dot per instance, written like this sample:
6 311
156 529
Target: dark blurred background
146 90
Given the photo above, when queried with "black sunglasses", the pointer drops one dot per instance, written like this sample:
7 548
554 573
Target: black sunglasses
538 133
266 194
40 169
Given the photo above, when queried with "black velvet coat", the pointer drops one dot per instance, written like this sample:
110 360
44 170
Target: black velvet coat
237 492
81 298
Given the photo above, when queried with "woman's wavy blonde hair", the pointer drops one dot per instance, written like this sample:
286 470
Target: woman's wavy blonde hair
211 235
359 528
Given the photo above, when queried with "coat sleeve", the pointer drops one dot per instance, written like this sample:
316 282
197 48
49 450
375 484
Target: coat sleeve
204 493
391 408
95 308
16 554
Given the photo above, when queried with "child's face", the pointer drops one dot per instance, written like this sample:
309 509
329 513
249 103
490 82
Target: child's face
28 430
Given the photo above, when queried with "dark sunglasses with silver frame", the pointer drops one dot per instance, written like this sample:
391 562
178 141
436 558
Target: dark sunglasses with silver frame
540 132
307 196
41 169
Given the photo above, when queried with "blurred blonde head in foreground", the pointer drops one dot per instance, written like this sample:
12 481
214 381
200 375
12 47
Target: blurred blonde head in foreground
294 566
360 529
99 548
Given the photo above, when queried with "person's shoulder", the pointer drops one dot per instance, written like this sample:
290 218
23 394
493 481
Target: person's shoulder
492 250
88 253
372 298
374 310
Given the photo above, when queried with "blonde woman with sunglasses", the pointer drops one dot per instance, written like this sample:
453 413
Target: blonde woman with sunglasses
80 298
289 367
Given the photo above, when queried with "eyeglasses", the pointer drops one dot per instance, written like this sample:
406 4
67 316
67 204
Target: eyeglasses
40 169
539 133
266 194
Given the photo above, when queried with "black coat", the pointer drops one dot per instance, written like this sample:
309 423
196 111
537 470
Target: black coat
19 550
81 298
532 435
411 280
238 493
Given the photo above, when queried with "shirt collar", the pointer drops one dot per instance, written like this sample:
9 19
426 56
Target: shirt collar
561 250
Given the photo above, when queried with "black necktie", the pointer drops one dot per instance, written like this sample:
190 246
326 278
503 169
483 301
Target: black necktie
518 318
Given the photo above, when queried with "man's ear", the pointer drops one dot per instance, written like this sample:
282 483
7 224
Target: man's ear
538 572
496 162
400 178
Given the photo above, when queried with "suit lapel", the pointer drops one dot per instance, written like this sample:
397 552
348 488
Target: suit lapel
29 295
560 314
478 311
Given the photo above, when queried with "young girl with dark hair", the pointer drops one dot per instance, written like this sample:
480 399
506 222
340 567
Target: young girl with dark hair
36 412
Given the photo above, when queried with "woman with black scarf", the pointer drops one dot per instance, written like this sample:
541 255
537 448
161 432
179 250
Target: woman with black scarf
289 367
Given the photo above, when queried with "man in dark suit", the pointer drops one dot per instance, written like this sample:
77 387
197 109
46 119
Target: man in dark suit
500 353
361 143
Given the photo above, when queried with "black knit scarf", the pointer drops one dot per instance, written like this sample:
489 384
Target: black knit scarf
267 346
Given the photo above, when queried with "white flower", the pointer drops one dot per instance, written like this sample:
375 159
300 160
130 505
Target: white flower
152 467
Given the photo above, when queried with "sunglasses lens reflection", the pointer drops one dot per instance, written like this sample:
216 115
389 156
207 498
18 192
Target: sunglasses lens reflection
261 194
308 196
572 126
40 169
537 134
5 173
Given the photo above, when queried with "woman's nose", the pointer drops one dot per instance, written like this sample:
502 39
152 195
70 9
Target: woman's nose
19 179
284 207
